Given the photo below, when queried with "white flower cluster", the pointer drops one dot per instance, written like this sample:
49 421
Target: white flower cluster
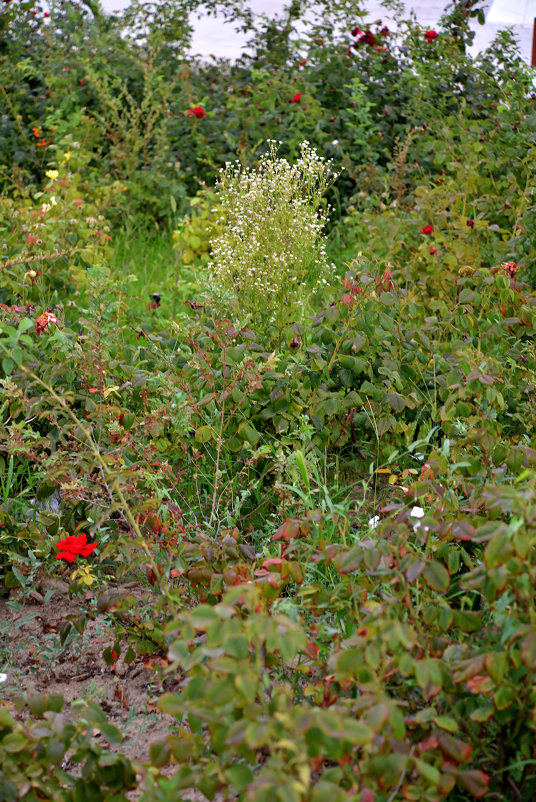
271 252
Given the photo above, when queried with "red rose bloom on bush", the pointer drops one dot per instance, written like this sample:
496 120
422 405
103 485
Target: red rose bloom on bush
43 320
295 98
427 230
367 38
197 111
74 546
431 35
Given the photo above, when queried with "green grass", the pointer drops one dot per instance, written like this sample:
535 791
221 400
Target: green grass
149 257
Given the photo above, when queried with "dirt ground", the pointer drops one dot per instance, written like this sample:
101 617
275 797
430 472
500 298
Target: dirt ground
32 656
36 662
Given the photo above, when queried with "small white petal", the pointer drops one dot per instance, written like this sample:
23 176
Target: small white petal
417 512
3 678
373 523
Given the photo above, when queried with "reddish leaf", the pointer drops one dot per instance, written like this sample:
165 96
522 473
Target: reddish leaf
415 570
528 651
462 530
431 742
436 576
454 748
480 684
474 781
470 668
287 531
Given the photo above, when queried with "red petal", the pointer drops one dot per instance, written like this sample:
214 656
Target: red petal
85 551
66 543
66 555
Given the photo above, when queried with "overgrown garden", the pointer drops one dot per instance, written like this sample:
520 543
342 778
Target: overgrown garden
268 434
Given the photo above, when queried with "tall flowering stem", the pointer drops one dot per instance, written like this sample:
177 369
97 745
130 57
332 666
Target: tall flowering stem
271 253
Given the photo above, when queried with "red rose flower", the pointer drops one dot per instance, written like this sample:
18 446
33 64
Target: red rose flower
427 230
74 546
197 111
356 31
431 35
295 98
510 268
43 320
367 39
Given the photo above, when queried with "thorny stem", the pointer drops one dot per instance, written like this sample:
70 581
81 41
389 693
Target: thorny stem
220 441
398 786
96 453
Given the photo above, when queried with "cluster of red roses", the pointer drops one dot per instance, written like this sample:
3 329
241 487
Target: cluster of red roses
368 38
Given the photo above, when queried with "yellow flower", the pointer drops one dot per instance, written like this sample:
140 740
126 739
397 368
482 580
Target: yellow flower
52 174
66 157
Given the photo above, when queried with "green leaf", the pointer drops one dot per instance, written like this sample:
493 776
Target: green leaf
483 713
498 550
5 719
496 664
467 620
446 723
159 753
14 742
38 704
240 776
426 770
25 324
395 401
65 628
453 561
171 704
204 434
302 467
202 616
7 365
247 432
349 661
111 734
130 655
436 576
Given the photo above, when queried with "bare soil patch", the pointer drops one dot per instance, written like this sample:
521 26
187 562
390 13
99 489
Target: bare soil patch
36 662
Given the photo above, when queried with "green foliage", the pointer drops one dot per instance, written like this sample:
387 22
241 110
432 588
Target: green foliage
33 755
224 434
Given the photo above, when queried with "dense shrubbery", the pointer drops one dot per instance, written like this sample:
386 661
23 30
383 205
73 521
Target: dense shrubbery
325 500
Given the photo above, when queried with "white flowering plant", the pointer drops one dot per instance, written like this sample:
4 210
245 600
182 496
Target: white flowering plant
271 253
